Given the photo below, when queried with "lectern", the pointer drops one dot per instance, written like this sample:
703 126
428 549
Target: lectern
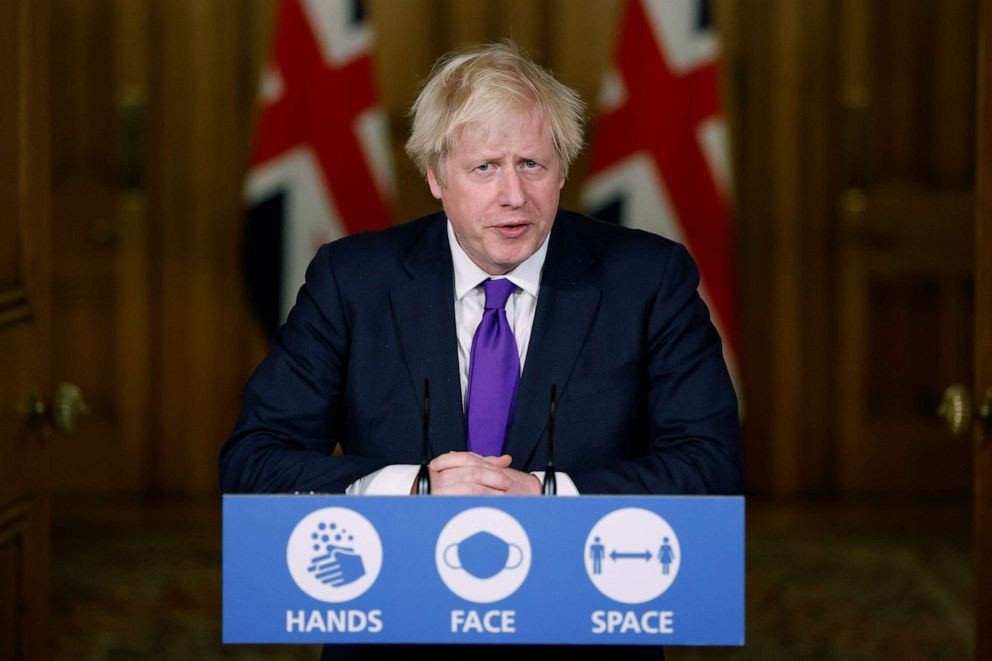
665 570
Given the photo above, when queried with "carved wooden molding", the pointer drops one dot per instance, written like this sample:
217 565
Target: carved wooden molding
14 306
12 520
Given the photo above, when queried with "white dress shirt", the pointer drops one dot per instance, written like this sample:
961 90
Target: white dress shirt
469 306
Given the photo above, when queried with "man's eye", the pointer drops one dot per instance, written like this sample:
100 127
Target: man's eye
530 164
485 167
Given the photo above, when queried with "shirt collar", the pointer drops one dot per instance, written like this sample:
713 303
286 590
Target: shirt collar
468 275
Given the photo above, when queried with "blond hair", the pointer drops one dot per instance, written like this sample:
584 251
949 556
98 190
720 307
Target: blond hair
477 87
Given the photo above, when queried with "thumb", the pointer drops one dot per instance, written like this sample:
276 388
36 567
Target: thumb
502 461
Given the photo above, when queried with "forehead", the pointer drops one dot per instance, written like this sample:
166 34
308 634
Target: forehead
512 131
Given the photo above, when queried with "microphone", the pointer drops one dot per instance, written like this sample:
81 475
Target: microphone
550 483
424 474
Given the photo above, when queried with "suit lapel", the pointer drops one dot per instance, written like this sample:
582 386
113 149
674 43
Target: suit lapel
566 307
425 322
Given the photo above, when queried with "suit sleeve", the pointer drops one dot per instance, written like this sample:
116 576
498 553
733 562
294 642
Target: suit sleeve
691 441
291 418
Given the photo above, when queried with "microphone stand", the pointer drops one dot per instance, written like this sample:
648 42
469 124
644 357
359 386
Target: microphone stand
424 474
550 482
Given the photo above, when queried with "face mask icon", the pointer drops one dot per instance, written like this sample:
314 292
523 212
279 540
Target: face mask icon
483 555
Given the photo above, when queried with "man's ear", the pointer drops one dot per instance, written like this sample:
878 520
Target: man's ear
433 183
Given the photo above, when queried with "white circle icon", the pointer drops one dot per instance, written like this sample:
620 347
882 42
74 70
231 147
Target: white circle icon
483 555
334 554
632 555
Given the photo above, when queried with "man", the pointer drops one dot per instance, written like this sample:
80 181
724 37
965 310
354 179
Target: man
492 302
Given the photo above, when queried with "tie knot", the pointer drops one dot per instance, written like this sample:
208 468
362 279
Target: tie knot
497 291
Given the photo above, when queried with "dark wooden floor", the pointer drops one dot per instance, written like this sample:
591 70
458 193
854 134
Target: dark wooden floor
893 580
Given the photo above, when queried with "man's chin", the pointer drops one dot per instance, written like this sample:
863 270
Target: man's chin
507 254
505 266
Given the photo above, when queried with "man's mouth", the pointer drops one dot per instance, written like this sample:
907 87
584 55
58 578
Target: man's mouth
511 230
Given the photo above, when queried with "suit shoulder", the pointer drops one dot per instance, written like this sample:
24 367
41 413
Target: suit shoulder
398 238
377 248
607 240
372 260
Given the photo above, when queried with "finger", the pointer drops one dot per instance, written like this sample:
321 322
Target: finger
481 475
503 461
466 489
456 459
484 475
524 484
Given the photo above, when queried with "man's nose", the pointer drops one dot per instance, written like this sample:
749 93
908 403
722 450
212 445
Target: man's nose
512 192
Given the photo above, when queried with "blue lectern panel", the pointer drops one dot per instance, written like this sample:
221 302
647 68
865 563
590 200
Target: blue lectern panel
588 570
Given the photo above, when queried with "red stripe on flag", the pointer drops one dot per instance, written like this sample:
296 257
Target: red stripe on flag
318 109
660 117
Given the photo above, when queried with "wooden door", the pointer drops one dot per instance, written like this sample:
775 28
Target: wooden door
905 241
983 345
100 281
24 328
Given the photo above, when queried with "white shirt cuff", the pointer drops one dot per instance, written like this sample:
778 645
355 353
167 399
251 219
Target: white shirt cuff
564 483
394 480
397 479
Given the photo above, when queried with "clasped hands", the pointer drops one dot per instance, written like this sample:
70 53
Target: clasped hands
469 474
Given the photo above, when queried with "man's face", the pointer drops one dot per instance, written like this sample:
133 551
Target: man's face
501 190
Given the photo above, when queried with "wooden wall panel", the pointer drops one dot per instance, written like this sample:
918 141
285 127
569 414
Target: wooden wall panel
403 57
15 619
580 51
904 236
86 237
10 596
982 385
10 257
198 109
817 165
921 76
133 294
25 323
152 134
827 98
785 144
780 104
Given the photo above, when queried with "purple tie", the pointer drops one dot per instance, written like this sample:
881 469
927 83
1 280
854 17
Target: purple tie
493 374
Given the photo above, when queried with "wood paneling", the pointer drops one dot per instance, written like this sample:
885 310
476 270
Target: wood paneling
10 259
156 105
905 221
87 235
852 138
198 133
10 597
24 328
780 102
14 627
983 342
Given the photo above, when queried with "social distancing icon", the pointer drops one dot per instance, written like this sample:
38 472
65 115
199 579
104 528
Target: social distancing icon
632 555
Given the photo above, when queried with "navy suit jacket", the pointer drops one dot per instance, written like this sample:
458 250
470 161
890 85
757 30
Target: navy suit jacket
645 402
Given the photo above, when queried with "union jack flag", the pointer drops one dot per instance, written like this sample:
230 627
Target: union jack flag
321 165
659 160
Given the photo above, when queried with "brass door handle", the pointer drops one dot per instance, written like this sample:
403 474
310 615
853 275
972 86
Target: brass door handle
957 410
66 408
